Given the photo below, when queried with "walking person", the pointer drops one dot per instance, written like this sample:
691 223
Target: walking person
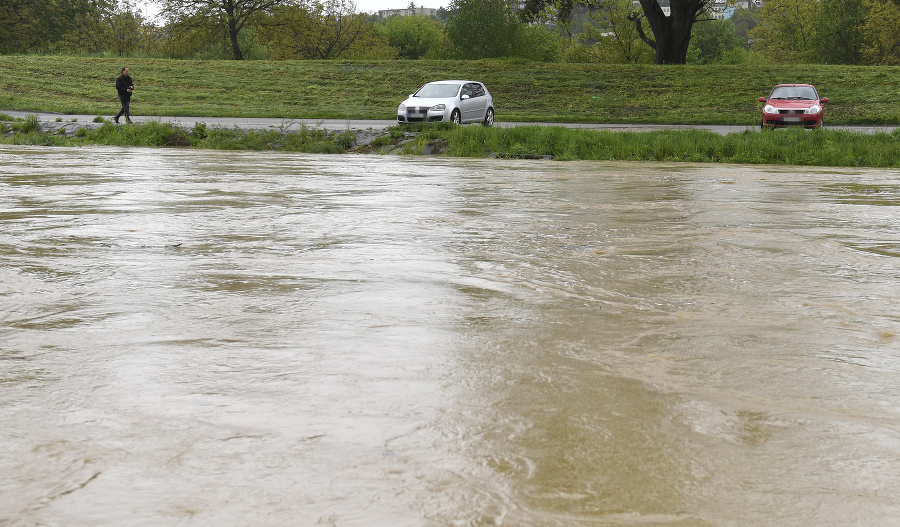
124 85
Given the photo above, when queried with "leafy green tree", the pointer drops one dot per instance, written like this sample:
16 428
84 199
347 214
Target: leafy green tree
194 37
481 28
883 30
90 31
538 43
18 21
533 9
714 42
744 21
328 29
230 17
786 30
52 25
610 35
442 14
412 36
558 12
840 31
125 31
151 42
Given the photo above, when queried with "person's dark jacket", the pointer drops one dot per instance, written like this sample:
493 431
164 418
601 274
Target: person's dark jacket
123 83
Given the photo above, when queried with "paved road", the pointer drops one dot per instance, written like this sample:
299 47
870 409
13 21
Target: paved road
375 125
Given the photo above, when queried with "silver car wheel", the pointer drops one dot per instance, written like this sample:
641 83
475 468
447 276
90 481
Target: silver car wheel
455 117
489 117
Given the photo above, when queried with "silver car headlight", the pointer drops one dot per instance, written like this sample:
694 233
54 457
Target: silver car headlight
438 107
814 109
401 108
769 109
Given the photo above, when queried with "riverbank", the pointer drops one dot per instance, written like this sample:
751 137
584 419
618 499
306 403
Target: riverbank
522 91
787 147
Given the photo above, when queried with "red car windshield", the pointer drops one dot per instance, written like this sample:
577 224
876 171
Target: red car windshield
802 93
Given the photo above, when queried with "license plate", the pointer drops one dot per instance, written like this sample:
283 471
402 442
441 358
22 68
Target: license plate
792 119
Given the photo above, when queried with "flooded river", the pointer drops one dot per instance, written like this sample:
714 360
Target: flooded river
265 339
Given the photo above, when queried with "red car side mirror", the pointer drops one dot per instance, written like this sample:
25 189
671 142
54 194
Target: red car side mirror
824 100
762 99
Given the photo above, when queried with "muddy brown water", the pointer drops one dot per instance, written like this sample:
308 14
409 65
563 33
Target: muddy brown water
264 339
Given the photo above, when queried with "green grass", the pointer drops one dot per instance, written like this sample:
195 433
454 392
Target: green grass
155 134
794 146
523 91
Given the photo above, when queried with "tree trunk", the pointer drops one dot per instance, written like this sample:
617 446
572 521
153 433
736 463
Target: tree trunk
233 31
673 41
672 34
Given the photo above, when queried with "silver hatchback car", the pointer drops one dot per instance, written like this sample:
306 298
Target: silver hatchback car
454 101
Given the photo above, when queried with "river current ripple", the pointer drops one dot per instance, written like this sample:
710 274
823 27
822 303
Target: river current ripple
270 339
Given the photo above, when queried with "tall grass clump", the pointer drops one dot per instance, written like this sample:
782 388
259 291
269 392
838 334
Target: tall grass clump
305 140
33 139
145 134
31 124
813 147
471 141
233 139
316 141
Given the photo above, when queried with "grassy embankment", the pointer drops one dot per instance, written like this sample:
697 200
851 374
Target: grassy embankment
522 91
606 93
157 134
790 147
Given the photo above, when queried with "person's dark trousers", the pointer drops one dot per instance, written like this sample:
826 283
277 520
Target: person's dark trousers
126 103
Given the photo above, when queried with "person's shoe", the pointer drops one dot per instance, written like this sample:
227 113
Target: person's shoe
128 121
116 120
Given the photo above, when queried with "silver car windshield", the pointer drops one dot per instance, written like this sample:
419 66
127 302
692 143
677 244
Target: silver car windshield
438 91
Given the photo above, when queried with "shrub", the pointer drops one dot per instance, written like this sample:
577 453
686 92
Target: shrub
538 43
412 36
199 132
30 124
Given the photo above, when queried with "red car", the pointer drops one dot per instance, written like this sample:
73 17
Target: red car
793 104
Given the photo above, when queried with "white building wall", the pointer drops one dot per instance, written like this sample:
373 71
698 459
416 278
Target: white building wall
419 11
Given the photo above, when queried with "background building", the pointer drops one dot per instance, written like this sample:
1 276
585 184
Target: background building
409 11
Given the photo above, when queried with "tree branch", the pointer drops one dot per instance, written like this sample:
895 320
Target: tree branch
637 18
